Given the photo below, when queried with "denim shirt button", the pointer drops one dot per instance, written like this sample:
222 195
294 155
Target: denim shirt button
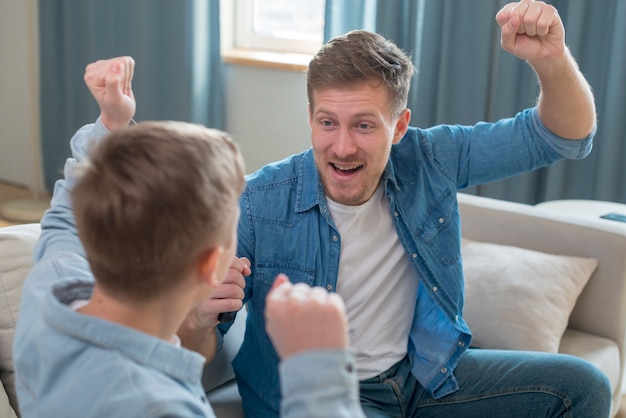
414 255
335 238
441 220
444 370
329 287
395 213
435 288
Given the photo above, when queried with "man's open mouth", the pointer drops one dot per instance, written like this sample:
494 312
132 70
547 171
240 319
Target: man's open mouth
346 169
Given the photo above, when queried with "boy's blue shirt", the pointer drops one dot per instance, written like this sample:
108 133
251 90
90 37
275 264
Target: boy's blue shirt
70 364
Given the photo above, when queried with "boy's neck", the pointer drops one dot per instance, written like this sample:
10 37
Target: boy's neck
160 317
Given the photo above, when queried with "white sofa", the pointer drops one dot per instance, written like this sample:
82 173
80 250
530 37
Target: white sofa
596 326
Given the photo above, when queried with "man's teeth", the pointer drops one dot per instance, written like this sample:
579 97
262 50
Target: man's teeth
354 167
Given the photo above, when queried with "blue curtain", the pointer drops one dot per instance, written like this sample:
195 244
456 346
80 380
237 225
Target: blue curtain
463 76
175 44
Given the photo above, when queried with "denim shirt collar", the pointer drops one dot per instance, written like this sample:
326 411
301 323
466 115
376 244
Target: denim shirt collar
389 176
310 191
177 362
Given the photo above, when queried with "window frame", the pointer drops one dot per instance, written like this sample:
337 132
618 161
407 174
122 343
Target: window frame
245 38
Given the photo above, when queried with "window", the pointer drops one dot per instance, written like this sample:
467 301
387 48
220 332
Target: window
295 26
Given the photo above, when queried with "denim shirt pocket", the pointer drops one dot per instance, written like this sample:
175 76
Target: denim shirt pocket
265 274
440 228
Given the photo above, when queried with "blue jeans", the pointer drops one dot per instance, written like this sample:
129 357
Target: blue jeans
495 383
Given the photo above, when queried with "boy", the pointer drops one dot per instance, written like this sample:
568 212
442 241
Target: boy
155 206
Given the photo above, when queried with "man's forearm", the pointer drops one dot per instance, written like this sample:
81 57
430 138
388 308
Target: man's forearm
566 104
202 341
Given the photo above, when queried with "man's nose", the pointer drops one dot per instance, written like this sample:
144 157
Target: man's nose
345 144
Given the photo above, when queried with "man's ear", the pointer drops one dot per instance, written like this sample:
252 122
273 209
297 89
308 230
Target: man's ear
402 125
208 269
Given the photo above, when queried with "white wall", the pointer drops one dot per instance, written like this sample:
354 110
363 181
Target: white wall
265 109
20 160
266 113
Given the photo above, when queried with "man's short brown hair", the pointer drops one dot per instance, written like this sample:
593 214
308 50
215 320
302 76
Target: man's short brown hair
152 199
360 56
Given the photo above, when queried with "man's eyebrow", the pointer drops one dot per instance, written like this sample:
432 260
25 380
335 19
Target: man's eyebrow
324 112
367 114
329 113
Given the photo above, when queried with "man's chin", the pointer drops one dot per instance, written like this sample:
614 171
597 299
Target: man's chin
347 197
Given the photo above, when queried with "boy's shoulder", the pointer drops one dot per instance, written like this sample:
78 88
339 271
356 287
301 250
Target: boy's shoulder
82 365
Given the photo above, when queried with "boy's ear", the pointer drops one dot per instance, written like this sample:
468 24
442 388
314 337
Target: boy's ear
209 266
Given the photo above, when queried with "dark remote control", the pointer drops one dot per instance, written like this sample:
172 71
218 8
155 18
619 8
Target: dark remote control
226 317
614 217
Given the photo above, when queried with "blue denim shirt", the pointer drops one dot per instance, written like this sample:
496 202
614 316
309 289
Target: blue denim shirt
285 227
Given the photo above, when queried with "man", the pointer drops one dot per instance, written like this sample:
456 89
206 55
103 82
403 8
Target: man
370 212
155 207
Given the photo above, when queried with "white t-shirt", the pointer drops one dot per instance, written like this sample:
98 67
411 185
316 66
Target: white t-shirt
377 283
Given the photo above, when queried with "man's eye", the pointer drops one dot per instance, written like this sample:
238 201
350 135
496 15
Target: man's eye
364 126
327 123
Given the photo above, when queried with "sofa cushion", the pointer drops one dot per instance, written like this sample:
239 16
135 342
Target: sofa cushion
226 401
16 252
520 299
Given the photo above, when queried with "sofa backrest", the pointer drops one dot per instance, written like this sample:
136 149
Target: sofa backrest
601 307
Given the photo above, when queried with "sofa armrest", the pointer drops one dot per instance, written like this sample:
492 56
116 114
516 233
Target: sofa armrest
601 307
16 259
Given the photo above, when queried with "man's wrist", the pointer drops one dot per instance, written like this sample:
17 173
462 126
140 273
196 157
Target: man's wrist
555 66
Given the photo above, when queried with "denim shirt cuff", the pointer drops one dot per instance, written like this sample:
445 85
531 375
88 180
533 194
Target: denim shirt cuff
314 369
568 148
320 383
